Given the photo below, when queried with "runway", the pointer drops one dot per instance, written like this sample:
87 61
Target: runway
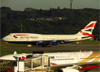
58 48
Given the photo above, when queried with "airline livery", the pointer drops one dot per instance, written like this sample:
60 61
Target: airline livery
60 62
40 39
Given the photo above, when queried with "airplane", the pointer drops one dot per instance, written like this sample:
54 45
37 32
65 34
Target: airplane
58 61
45 40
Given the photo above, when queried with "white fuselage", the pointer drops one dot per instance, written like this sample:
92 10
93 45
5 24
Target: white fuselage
63 57
40 37
73 57
85 33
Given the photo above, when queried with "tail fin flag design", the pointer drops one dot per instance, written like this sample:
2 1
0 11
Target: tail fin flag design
88 29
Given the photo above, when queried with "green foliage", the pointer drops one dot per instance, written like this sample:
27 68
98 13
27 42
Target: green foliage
88 42
47 21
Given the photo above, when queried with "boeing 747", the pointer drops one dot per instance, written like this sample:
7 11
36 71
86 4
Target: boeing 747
40 39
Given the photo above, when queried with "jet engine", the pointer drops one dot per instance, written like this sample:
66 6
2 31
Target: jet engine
53 43
43 44
68 70
39 43
46 43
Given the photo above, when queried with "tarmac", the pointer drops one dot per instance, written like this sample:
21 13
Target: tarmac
59 48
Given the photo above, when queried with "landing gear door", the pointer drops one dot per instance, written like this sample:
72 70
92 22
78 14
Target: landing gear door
45 61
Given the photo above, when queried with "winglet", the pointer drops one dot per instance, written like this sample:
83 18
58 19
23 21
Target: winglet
15 52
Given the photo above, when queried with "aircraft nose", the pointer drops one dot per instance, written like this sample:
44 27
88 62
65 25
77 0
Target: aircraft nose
7 38
3 38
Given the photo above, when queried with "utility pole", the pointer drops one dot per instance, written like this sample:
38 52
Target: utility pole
71 4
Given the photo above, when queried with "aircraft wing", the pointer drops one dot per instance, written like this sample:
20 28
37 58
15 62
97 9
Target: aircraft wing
77 66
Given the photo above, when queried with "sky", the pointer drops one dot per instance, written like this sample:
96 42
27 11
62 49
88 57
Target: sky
47 4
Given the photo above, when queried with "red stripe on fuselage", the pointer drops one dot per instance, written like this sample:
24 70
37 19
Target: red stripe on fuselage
53 63
89 67
20 34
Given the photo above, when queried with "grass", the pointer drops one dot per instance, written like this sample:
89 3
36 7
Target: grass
5 51
4 44
93 42
9 51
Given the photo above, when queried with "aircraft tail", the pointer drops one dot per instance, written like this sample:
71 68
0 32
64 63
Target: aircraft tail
87 30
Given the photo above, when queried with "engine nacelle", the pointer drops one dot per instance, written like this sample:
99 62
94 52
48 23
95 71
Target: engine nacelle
47 43
68 70
53 43
39 43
